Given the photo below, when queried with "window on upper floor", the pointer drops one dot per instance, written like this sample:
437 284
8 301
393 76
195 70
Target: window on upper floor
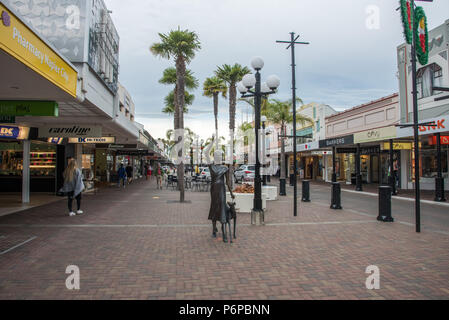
122 107
428 77
318 125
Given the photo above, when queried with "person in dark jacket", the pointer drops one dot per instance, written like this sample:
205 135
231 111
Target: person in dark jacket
129 173
121 175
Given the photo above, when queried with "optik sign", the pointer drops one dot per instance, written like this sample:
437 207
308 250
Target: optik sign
9 132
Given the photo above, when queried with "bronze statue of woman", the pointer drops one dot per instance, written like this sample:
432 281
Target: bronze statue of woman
219 210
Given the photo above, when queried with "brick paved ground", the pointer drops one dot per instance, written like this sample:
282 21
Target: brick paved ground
132 244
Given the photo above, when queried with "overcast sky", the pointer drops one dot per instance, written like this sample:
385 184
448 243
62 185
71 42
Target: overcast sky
346 63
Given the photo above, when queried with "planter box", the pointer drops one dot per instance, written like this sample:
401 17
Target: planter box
244 202
271 191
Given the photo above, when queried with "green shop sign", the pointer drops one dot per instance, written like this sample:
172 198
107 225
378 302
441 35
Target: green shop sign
28 108
7 119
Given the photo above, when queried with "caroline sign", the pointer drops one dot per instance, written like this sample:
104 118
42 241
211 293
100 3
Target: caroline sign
24 45
69 131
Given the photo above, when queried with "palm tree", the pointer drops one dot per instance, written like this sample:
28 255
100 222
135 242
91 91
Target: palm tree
181 45
170 100
280 113
231 75
213 87
169 78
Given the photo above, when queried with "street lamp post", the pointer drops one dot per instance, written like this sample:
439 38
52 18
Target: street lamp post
251 86
264 120
291 45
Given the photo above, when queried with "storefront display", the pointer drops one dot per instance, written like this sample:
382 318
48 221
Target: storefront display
42 166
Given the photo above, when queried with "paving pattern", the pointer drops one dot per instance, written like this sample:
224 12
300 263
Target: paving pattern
137 244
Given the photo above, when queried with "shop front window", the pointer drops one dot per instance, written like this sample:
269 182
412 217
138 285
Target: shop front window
428 77
429 163
42 159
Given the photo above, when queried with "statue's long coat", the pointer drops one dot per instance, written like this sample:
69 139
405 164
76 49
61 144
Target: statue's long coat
218 207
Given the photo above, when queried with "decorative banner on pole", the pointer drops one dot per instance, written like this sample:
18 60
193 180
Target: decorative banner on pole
406 14
422 36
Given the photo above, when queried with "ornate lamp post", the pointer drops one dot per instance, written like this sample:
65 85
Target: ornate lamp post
264 120
251 86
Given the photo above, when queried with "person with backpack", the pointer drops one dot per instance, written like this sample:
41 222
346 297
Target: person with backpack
73 186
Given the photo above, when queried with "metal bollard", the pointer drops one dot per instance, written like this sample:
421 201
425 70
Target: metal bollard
269 178
336 196
305 191
385 204
439 190
292 178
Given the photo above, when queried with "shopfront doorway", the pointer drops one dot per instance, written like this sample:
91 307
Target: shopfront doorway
375 171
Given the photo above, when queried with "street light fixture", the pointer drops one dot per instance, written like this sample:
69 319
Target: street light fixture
251 86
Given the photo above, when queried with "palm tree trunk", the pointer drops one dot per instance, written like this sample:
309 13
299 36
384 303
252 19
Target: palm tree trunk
216 119
180 84
176 113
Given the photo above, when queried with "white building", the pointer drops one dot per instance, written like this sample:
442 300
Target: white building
432 105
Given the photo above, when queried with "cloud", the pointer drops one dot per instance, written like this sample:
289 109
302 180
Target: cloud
344 65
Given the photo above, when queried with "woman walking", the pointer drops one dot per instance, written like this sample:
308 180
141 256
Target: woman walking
73 186
159 176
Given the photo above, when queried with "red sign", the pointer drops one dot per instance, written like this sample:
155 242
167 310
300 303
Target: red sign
437 125
443 140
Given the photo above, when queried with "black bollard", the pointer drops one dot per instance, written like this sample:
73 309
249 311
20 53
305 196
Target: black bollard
439 189
305 191
292 179
336 196
269 178
385 204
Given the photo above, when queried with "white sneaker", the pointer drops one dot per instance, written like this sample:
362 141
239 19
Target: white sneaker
79 212
71 214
